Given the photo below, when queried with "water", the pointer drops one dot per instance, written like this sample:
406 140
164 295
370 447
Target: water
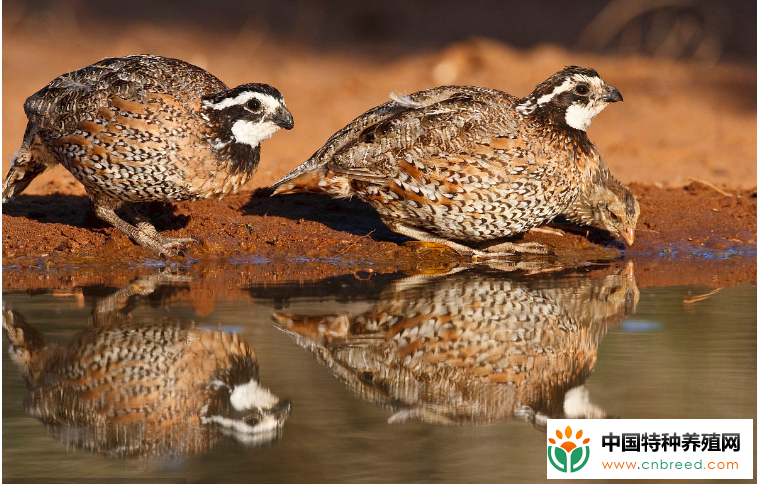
375 395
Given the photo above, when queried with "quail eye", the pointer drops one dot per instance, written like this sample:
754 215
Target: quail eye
253 105
582 89
614 217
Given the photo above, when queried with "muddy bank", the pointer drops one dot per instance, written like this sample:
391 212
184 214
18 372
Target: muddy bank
691 235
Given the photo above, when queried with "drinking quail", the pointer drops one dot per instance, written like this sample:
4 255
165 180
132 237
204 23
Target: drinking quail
606 204
146 128
466 165
471 347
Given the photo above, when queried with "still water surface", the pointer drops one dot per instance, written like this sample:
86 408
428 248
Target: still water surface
438 378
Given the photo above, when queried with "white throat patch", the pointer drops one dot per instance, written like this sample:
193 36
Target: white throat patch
253 132
579 116
252 395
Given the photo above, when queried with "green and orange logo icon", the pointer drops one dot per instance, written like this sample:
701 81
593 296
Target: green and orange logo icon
568 456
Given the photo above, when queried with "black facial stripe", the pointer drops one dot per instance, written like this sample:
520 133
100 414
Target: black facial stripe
567 98
233 113
233 93
554 111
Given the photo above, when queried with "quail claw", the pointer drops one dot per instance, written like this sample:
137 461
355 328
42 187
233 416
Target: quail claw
179 243
164 246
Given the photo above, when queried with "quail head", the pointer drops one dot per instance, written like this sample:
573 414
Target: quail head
464 166
606 204
146 128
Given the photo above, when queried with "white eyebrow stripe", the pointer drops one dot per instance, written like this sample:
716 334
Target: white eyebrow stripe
268 101
234 101
567 85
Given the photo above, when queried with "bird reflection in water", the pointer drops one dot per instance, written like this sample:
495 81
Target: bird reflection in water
128 389
475 346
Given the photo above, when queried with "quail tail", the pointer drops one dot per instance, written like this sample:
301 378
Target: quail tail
308 169
317 180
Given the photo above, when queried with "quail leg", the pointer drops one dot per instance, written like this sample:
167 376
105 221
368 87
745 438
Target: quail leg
145 225
424 236
508 248
142 236
548 230
142 223
105 308
422 414
501 249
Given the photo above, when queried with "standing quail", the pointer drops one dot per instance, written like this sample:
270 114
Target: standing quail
465 165
606 204
146 128
145 389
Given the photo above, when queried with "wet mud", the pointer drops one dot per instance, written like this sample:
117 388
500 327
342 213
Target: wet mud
693 235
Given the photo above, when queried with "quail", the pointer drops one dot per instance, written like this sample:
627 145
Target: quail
145 389
606 204
466 165
472 347
146 128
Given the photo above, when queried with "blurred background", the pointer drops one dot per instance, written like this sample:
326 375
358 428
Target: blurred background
686 68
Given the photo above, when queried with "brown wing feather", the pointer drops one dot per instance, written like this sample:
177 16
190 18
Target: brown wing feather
74 97
353 142
448 119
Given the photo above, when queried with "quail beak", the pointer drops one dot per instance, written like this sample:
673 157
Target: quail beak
628 236
612 95
282 118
